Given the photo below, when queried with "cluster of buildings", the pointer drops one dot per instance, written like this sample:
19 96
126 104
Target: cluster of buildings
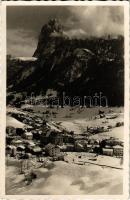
42 139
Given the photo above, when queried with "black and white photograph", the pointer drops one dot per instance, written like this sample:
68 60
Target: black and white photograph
66 114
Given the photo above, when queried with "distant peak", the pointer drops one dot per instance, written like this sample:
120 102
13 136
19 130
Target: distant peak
52 26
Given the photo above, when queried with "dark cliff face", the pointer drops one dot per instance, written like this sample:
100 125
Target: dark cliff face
76 66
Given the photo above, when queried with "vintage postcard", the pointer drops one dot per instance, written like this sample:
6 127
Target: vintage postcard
65 100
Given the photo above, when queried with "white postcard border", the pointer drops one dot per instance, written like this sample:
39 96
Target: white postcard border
3 99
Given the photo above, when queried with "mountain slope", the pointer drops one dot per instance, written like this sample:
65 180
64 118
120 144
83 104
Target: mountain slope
76 66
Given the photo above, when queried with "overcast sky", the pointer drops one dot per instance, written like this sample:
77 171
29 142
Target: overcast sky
25 22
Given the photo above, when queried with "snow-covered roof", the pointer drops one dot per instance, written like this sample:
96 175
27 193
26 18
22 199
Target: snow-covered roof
28 133
104 149
17 141
37 149
117 147
21 146
11 146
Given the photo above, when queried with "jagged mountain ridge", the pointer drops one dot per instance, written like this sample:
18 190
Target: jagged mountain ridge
76 66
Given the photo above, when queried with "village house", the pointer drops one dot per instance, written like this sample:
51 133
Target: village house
38 120
28 128
118 151
63 148
45 137
93 141
16 142
9 139
21 148
36 151
10 130
69 147
118 124
52 150
96 148
28 136
29 143
11 150
89 148
107 152
19 131
113 141
53 137
56 138
80 145
67 138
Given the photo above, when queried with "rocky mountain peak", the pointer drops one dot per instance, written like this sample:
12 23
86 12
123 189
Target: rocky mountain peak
53 29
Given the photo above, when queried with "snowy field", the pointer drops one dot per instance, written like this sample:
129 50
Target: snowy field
61 178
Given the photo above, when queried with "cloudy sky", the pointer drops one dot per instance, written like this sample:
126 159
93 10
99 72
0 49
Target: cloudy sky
25 22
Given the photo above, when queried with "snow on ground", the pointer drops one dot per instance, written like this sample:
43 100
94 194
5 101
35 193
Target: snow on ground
115 132
80 125
14 110
10 121
26 58
61 178
73 157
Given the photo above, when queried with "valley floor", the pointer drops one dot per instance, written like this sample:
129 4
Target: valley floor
69 177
